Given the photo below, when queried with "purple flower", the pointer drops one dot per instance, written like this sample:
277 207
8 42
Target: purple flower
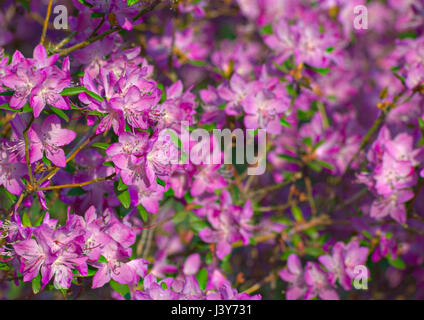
342 262
192 264
37 79
48 139
318 284
235 94
295 276
48 91
392 205
11 172
264 111
226 292
230 224
34 256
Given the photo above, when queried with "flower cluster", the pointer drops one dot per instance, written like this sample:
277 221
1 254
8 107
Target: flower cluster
126 146
392 173
36 81
61 251
314 281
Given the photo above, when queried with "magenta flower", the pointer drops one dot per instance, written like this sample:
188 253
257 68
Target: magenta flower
392 205
295 276
48 91
48 139
226 292
230 224
34 257
341 264
264 110
11 172
38 80
318 284
235 94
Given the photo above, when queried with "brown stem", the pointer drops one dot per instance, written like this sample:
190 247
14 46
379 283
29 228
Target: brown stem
114 29
63 186
31 177
310 195
73 155
147 10
275 208
85 43
375 127
258 285
46 22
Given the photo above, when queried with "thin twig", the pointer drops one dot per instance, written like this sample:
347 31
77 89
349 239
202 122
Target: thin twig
46 22
63 186
310 195
112 30
31 177
73 155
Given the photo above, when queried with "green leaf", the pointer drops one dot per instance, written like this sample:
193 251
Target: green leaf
314 166
26 222
25 4
101 145
77 90
121 185
367 234
209 258
179 217
197 224
267 30
76 191
4 266
297 213
288 158
102 259
169 193
162 88
322 71
161 182
86 3
122 289
11 196
64 292
131 2
397 263
401 78
286 254
143 213
324 164
36 284
125 199
46 161
60 113
314 251
39 220
285 123
421 123
308 141
109 164
197 63
5 106
97 15
202 278
407 35
8 93
72 91
94 95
